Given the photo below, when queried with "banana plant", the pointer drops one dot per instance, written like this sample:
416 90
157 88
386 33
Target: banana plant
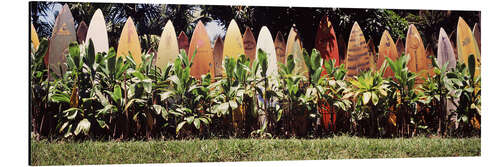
184 96
313 98
467 89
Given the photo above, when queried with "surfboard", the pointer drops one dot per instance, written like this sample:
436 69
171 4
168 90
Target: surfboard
358 57
477 35
453 38
386 48
415 49
233 42
466 45
400 46
249 44
326 41
81 32
34 37
445 51
218 50
62 35
98 33
279 43
203 61
294 47
265 42
129 42
373 54
183 42
168 48
429 52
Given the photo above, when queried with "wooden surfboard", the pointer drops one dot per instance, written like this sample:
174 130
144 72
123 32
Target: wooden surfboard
265 42
279 43
466 45
218 50
62 35
400 46
326 41
168 48
342 48
429 52
453 38
203 61
81 32
249 44
373 54
233 42
386 48
98 33
445 51
358 57
183 42
294 47
129 42
477 35
415 48
34 38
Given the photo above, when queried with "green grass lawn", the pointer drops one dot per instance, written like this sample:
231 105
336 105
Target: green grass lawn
343 147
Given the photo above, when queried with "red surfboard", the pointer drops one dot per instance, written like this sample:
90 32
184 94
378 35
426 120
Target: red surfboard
183 42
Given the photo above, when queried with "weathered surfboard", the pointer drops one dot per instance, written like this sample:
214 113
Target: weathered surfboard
453 38
183 42
373 54
429 52
415 49
386 48
168 48
81 32
477 35
62 35
400 46
326 41
218 50
98 33
358 57
265 42
34 37
294 47
445 51
233 42
466 45
279 43
129 42
249 44
203 61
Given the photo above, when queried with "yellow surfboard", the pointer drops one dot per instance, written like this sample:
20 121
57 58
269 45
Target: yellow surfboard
203 61
129 42
34 37
233 42
294 47
415 49
386 48
467 45
98 33
168 48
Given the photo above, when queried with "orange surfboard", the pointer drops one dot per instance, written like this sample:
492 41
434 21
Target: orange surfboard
129 42
81 32
358 57
386 48
218 50
62 35
466 45
279 43
249 44
183 42
373 54
415 49
34 38
203 61
400 46
445 51
477 35
326 41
